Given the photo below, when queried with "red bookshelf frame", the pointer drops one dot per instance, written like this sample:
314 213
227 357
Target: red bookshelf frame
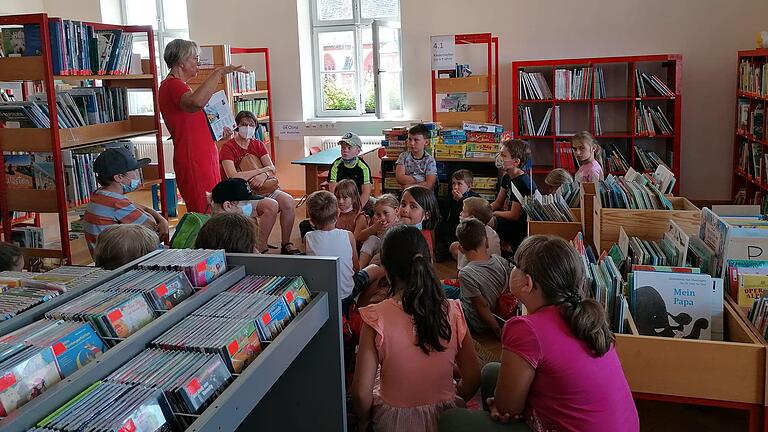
40 70
671 62
492 63
265 52
742 179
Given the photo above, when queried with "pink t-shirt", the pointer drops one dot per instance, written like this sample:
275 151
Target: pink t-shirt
572 390
410 378
589 172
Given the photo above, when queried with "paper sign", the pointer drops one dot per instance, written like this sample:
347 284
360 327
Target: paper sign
443 52
206 58
289 131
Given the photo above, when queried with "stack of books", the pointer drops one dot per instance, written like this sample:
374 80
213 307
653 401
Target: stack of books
451 143
485 187
655 83
483 139
533 85
395 141
201 266
651 120
75 107
575 84
614 160
636 191
752 78
552 208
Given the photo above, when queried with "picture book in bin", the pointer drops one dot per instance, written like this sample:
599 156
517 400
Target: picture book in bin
675 305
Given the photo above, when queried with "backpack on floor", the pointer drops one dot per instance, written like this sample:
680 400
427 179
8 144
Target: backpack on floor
186 231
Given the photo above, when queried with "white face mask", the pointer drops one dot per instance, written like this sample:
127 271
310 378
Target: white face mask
247 132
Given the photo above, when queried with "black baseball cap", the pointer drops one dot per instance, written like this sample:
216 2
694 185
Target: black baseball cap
117 161
233 189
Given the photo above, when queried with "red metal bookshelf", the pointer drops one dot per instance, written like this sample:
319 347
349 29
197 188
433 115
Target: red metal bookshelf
755 187
618 107
39 70
488 84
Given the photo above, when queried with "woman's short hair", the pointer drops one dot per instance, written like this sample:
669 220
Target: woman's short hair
179 50
120 244
230 231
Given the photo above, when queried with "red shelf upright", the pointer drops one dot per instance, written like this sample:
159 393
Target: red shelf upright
472 84
617 108
744 176
39 71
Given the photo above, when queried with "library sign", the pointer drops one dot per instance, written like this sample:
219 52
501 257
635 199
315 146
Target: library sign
443 52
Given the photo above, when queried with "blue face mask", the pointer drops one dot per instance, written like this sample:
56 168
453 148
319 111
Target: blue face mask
132 186
247 209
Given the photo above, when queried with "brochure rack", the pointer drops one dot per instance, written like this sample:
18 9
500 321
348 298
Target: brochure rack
307 354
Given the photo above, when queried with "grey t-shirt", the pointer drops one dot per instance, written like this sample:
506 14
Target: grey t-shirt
419 169
482 278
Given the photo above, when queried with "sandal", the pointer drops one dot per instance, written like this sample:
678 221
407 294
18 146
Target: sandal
290 251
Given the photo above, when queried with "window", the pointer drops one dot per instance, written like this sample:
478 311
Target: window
168 19
357 57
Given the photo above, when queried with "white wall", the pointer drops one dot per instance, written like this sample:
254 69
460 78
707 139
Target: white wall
81 10
8 7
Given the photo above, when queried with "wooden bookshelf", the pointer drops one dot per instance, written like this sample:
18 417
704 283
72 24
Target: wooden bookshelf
39 70
487 84
617 109
755 186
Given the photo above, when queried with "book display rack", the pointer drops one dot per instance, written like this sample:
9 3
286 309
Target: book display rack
631 104
244 91
487 84
59 57
307 353
750 146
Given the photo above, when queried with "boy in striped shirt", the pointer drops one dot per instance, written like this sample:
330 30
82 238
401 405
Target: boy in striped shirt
117 171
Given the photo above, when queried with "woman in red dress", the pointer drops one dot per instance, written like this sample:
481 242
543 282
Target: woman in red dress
195 156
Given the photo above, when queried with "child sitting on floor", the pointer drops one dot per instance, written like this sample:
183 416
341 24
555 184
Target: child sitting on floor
120 244
11 258
413 342
233 232
482 280
327 240
556 178
351 217
461 189
415 166
479 209
385 215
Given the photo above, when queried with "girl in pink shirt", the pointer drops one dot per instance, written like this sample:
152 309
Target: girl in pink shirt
410 345
559 370
586 149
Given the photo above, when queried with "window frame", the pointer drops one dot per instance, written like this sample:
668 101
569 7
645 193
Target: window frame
357 24
161 33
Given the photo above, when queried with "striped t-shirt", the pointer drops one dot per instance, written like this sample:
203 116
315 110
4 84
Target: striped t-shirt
110 208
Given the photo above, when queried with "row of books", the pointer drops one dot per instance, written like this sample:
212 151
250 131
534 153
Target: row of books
244 82
604 283
552 208
752 160
571 193
259 107
596 123
651 120
75 107
564 156
613 159
76 48
752 77
20 291
759 198
579 83
533 85
527 126
632 191
190 364
655 83
751 119
649 160
758 313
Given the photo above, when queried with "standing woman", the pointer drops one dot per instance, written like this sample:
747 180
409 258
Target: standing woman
195 157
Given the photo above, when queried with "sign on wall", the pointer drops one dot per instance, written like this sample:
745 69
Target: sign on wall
443 52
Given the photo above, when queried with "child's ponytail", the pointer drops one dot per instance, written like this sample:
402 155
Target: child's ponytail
405 257
557 270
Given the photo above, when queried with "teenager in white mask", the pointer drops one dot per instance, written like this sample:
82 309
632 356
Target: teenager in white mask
246 157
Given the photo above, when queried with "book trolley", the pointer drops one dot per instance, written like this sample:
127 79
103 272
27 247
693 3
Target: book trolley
267 394
488 84
618 109
39 69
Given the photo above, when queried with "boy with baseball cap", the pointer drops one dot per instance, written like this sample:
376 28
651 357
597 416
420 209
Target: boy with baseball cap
117 171
350 166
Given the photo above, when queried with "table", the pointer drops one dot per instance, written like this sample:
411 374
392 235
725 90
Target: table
313 164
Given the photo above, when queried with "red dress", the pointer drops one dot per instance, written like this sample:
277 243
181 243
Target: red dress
195 157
